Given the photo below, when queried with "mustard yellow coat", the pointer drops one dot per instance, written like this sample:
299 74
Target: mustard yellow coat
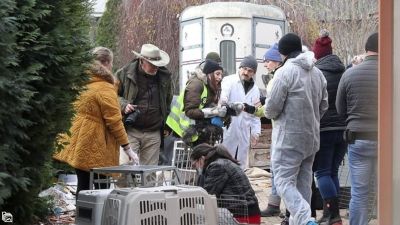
97 130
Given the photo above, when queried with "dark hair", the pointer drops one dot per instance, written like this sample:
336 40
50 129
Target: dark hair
372 43
211 153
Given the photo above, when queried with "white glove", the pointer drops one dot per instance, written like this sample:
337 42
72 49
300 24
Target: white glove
215 111
237 106
133 157
221 111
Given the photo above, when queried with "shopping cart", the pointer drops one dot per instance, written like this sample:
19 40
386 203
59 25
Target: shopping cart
232 210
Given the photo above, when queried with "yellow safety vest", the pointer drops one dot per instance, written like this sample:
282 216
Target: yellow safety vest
177 120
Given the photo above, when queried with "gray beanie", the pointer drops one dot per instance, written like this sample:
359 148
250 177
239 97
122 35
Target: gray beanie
249 61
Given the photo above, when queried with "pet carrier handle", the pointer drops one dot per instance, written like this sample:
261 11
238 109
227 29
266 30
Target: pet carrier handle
171 190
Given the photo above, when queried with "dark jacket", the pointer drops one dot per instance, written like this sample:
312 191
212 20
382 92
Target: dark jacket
194 89
223 177
128 89
357 96
332 68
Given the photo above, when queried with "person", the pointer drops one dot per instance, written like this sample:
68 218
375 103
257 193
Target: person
245 128
224 177
174 126
145 92
357 59
296 101
332 146
357 100
97 130
272 61
196 107
200 103
214 57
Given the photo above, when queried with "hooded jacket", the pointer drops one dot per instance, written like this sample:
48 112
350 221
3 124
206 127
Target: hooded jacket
97 130
297 100
332 68
194 89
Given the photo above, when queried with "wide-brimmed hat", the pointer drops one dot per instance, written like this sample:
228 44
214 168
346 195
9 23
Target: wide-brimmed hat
153 55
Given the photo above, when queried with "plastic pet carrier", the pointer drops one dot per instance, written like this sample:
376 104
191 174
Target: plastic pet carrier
164 205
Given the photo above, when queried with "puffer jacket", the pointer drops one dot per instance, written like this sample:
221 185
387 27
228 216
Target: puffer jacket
222 177
194 89
97 130
332 68
128 88
357 96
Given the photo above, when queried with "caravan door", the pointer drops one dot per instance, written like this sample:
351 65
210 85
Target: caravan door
266 32
191 46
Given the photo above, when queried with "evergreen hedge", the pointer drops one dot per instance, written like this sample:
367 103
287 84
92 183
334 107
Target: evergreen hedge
109 26
43 51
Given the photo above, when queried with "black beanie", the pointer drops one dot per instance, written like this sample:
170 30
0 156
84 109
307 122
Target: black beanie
289 43
249 61
372 43
210 66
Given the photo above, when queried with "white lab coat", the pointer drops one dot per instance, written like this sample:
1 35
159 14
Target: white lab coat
237 136
296 100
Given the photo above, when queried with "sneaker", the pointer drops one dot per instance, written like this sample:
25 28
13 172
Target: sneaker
312 222
271 211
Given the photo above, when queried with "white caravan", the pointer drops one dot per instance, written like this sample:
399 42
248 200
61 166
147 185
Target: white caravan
232 29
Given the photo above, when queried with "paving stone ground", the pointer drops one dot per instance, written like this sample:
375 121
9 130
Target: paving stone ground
262 187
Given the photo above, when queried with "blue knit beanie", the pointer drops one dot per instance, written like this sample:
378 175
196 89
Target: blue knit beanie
272 54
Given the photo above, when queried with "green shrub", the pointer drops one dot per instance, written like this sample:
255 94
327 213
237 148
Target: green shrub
43 50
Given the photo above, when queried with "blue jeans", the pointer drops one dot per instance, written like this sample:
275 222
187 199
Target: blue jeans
327 162
362 163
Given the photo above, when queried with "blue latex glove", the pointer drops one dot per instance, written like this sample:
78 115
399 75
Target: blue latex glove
217 121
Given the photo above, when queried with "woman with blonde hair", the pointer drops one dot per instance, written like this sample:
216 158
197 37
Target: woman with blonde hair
97 130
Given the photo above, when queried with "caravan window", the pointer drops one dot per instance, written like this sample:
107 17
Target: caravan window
228 56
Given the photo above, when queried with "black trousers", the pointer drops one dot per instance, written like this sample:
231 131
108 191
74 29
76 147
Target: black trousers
84 181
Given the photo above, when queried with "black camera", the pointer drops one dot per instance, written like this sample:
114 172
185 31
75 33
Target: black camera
131 118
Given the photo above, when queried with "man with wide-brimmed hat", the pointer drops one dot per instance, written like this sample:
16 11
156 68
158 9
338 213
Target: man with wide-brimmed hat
145 92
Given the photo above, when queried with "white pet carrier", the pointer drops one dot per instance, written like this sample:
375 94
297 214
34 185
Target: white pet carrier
164 205
89 206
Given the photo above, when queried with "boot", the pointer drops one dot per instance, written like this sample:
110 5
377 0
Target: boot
271 211
332 206
325 214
